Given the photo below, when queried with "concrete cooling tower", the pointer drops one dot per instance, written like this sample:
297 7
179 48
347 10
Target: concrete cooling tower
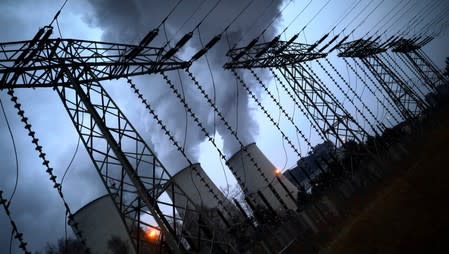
99 221
263 185
203 194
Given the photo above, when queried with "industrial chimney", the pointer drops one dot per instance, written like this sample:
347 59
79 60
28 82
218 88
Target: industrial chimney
203 194
262 183
99 221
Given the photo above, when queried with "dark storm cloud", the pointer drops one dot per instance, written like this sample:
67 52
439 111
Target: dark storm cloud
129 21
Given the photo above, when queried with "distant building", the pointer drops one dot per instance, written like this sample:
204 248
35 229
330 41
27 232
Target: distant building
311 164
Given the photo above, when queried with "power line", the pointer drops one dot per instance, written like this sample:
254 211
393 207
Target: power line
346 14
15 231
169 13
58 12
15 152
297 16
189 18
74 154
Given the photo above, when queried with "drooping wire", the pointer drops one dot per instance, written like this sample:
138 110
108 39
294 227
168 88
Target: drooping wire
183 94
278 122
231 131
74 153
212 79
298 105
11 134
14 231
376 85
171 137
276 125
46 163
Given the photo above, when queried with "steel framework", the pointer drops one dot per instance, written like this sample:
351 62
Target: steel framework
324 111
129 169
410 50
404 97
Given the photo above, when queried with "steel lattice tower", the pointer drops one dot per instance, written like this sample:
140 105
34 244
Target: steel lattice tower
405 98
334 122
411 51
129 169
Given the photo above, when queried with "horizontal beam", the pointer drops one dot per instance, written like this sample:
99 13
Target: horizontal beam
272 54
39 63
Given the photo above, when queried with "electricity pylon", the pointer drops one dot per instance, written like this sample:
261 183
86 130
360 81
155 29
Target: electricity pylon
410 50
410 105
129 169
324 111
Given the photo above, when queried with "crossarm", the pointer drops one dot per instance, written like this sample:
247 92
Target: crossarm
277 54
38 63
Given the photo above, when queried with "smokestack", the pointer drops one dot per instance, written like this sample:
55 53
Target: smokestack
265 187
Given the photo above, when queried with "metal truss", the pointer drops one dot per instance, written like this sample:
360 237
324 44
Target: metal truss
324 110
274 54
129 169
335 123
36 63
408 102
425 69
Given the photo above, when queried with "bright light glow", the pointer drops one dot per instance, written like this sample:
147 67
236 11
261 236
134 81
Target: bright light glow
277 171
153 234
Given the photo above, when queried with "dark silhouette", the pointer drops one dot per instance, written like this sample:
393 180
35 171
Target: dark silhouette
71 246
446 70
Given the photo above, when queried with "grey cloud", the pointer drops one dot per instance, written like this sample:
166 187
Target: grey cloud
128 21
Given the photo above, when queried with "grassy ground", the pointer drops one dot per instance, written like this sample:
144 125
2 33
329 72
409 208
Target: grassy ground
409 211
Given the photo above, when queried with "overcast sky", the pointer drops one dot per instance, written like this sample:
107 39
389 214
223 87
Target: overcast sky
36 207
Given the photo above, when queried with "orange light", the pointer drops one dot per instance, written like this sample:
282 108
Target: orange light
153 234
277 171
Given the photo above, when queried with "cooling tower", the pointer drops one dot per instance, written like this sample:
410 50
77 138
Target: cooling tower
203 193
99 221
262 184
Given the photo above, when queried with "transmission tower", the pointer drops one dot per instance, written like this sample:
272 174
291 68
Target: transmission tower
411 51
410 105
129 169
333 121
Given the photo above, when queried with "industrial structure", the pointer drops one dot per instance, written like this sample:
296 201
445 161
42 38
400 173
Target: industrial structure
152 210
